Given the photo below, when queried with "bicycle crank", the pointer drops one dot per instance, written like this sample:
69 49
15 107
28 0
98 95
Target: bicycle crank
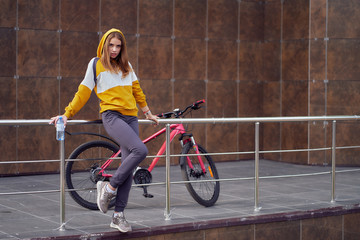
95 175
143 176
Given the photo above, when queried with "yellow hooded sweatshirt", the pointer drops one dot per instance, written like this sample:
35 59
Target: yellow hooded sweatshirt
116 93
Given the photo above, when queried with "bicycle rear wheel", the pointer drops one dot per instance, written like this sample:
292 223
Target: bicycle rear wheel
82 173
205 193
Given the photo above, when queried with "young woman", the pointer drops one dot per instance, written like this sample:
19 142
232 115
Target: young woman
118 89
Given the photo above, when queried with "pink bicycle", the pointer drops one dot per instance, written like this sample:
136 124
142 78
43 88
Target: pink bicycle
96 160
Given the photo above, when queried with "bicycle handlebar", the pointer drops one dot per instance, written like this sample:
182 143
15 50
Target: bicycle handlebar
178 113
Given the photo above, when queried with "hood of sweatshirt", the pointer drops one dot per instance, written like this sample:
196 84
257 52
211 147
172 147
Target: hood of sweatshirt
102 41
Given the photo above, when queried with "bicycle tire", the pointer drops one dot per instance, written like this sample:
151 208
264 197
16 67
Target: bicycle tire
79 173
205 193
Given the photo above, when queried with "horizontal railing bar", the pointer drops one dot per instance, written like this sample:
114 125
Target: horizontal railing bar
31 161
183 182
348 170
295 150
30 192
296 175
180 155
24 122
347 147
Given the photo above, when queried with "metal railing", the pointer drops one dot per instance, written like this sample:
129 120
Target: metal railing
167 122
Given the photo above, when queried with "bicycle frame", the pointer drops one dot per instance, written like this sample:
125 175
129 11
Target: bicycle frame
192 160
176 129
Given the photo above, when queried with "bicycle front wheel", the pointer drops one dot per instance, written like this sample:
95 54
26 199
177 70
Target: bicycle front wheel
205 193
82 173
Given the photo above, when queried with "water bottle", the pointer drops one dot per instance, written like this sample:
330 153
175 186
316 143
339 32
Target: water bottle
60 129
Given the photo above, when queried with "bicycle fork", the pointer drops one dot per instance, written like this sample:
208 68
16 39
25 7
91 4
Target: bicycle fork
196 149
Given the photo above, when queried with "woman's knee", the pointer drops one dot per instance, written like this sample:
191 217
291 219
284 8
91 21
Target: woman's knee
142 151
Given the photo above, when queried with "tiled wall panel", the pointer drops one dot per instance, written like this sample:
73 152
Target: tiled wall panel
230 233
344 17
38 14
250 61
251 21
80 15
295 60
322 228
132 45
8 52
222 57
318 19
295 19
343 97
270 61
343 59
38 53
121 14
155 58
287 230
223 19
33 97
272 20
156 18
189 59
294 98
351 229
317 60
8 13
190 19
7 98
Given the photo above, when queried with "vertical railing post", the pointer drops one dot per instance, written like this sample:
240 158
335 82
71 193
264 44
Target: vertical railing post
167 185
333 161
256 195
62 185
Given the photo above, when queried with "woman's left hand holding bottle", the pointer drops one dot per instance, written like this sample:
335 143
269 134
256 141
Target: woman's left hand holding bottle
53 120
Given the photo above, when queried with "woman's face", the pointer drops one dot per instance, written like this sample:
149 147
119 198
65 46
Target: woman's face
114 47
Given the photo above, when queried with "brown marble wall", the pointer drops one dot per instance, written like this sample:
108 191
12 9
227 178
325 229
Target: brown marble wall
334 76
331 228
319 76
246 58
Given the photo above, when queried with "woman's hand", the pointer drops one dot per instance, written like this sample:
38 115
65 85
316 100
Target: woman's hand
149 115
55 119
152 117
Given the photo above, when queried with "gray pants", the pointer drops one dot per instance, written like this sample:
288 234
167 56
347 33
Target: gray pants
125 131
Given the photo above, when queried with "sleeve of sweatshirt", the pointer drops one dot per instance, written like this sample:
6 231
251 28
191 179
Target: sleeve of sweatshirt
138 94
136 89
83 94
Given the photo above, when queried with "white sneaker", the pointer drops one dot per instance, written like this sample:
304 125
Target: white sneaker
119 222
103 196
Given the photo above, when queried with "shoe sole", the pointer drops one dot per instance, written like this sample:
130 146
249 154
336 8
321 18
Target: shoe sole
98 190
120 229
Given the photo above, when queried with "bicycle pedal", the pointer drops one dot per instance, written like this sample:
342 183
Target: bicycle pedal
148 195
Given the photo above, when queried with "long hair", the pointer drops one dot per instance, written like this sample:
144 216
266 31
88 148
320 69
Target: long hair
121 62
